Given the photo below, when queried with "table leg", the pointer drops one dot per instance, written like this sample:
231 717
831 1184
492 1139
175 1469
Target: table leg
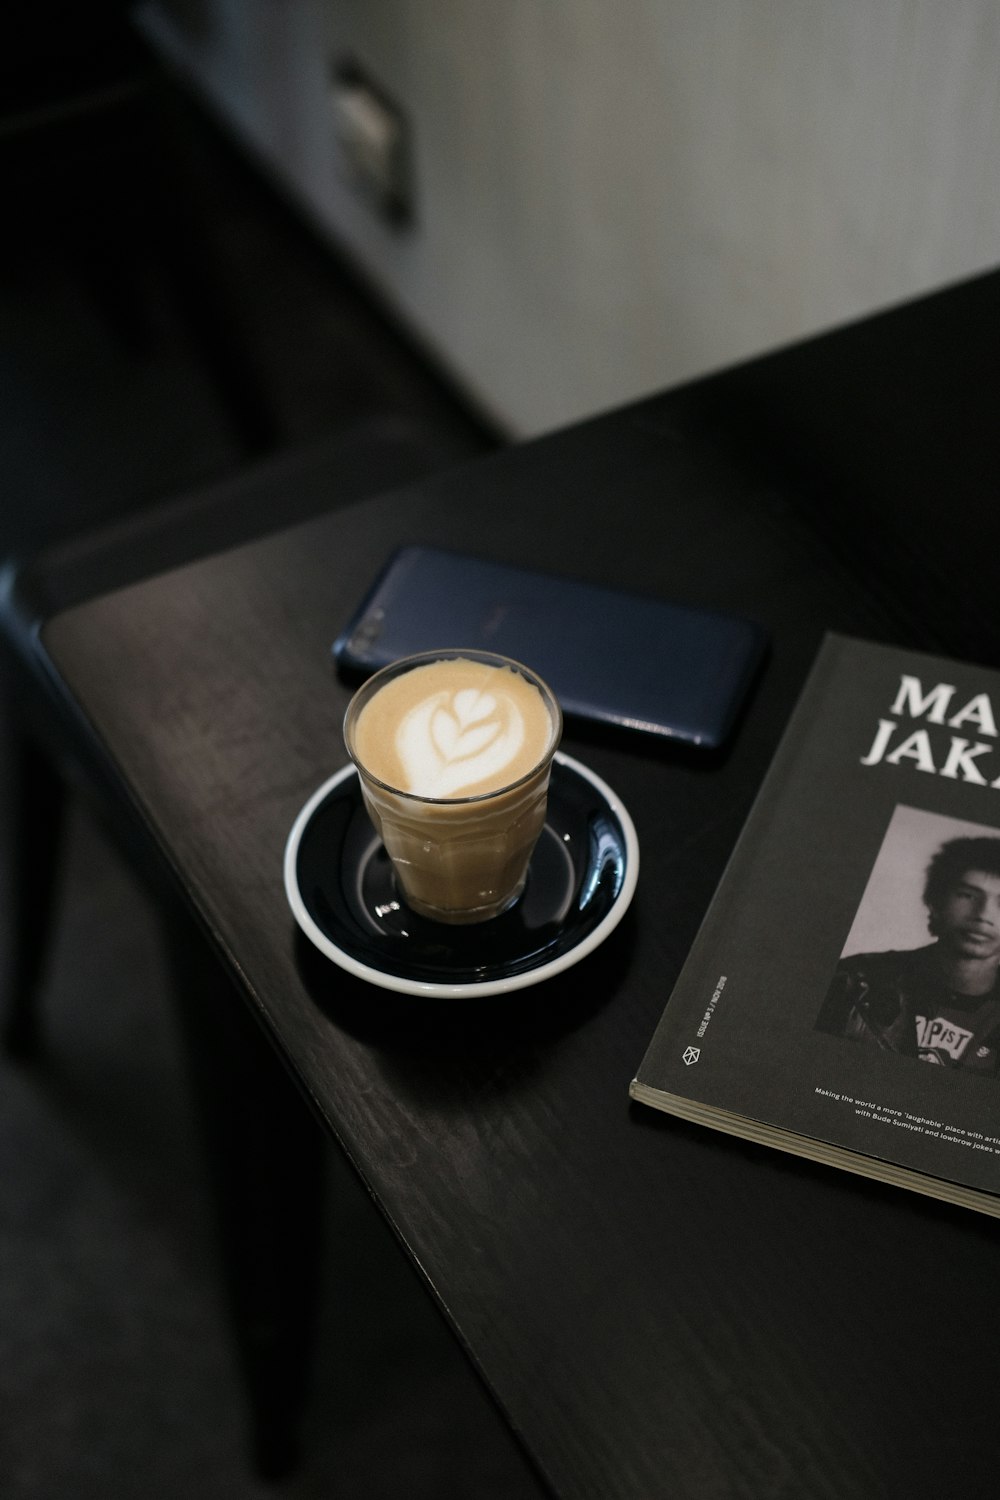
265 1158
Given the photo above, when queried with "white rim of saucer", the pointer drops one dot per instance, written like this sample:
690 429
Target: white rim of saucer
428 988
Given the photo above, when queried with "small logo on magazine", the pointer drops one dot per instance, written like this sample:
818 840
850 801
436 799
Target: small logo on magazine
691 1055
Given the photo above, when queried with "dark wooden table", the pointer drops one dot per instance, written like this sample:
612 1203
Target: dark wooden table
658 1310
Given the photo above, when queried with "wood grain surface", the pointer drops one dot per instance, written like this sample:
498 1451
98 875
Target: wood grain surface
658 1310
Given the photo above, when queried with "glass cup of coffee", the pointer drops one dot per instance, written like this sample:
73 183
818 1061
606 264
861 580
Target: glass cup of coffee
454 753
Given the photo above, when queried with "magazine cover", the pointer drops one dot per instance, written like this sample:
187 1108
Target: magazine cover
841 999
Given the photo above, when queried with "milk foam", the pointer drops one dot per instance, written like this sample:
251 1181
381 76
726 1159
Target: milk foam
454 728
451 741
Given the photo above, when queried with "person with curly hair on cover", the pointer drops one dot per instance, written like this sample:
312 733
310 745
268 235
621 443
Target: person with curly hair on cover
939 1003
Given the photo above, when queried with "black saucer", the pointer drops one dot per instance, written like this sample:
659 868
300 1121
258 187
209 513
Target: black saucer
343 893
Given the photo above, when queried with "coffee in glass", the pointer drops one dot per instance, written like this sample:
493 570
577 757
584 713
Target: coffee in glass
454 752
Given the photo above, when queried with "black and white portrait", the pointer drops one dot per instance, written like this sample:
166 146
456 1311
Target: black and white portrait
918 973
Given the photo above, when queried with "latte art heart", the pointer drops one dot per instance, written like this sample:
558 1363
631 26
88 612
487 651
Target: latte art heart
451 741
454 728
458 730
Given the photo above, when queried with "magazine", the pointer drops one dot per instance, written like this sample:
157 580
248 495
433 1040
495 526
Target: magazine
841 999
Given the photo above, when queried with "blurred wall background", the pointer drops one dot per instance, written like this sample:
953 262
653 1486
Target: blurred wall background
611 198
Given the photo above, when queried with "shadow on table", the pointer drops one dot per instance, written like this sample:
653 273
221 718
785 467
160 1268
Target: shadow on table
492 1029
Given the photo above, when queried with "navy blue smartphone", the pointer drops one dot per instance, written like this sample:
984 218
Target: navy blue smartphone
610 656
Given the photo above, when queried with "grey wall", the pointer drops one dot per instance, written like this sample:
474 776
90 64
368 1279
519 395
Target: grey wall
616 197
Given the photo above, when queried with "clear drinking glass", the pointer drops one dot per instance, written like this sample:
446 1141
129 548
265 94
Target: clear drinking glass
458 858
